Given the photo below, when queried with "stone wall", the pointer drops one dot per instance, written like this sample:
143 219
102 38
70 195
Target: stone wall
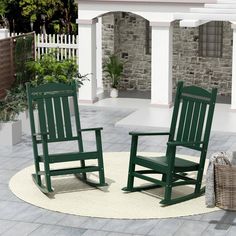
125 34
203 71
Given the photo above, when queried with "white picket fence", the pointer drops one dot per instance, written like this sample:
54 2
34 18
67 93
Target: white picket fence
64 46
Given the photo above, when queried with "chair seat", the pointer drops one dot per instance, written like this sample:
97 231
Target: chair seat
70 156
180 163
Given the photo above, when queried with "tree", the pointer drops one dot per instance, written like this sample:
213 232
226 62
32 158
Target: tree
3 20
65 17
18 23
40 11
54 16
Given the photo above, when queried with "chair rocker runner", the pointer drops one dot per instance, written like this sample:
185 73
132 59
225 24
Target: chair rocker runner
55 125
190 128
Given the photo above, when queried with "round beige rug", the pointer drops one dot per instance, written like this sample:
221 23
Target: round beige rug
75 197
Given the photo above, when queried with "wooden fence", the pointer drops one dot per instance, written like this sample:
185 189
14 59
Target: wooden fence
64 46
6 65
7 62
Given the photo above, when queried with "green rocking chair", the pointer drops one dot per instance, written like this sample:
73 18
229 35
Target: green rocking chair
55 125
190 128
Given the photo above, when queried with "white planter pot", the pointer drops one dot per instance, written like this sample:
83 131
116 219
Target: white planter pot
114 93
10 132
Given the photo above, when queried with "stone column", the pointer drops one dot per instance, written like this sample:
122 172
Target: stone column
233 91
4 33
87 59
161 75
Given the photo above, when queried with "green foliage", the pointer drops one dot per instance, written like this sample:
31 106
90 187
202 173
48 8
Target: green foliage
2 7
33 9
65 17
23 54
47 69
113 68
55 16
13 104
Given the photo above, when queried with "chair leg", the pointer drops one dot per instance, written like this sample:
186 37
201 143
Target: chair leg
101 170
37 176
133 153
199 182
168 188
47 176
130 182
82 163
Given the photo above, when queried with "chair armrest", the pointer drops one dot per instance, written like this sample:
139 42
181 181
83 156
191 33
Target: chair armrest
90 129
187 144
148 133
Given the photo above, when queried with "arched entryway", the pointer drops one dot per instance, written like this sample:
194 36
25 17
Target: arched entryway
157 76
127 35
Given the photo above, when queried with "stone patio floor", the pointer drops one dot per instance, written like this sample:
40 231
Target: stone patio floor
19 218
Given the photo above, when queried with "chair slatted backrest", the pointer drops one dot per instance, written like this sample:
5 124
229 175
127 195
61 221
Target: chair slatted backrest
192 115
52 101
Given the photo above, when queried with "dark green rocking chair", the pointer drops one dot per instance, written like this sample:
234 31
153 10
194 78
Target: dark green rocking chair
190 128
55 125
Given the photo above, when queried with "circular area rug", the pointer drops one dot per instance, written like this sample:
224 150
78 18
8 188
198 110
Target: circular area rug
75 197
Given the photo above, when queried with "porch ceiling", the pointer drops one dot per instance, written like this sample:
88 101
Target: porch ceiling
223 10
146 1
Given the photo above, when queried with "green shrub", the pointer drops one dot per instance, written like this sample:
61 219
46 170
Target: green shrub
47 69
12 105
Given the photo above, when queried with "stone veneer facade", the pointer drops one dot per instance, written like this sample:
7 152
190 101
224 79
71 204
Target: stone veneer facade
126 34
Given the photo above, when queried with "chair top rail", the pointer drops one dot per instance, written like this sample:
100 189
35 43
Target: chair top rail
193 98
196 91
52 95
52 87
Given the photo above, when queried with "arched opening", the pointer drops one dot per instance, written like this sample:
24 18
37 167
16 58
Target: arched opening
127 35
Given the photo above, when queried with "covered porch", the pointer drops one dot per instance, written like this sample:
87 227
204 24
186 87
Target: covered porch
161 15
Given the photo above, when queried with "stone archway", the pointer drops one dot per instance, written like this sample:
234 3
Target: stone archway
128 36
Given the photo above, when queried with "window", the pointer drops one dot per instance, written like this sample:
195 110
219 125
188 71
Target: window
210 39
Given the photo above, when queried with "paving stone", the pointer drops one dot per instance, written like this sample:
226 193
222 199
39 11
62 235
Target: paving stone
191 227
94 223
6 225
91 232
72 220
117 225
21 229
49 217
216 230
166 227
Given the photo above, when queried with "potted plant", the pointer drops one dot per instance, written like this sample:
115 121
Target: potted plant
10 127
18 93
114 69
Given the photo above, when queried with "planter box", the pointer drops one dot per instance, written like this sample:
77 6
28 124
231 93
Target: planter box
10 132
